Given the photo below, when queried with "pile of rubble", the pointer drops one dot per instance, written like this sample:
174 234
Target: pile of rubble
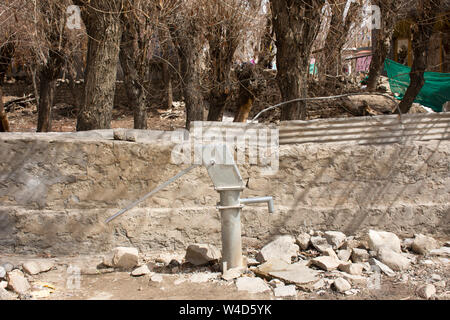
316 262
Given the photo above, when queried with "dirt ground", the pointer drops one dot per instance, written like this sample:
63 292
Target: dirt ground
93 283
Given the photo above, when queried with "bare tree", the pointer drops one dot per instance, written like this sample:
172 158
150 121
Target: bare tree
390 11
425 17
187 35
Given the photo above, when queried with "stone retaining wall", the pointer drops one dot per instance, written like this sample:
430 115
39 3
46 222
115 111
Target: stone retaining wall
56 190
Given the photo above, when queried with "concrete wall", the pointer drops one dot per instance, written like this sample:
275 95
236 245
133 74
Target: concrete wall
57 189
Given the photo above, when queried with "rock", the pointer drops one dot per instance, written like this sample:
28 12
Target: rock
276 283
125 257
283 248
318 285
252 285
252 262
335 238
344 255
2 272
351 268
125 135
3 284
426 291
233 273
8 266
302 240
383 239
37 266
326 263
108 259
393 260
351 292
440 284
341 285
156 278
436 277
298 274
320 244
17 282
442 252
202 277
423 244
330 253
5 295
169 258
200 254
447 244
272 265
141 271
360 255
349 244
384 268
407 243
354 279
285 291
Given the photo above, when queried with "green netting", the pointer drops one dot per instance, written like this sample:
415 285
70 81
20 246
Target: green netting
434 93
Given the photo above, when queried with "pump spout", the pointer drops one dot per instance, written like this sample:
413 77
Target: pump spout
269 201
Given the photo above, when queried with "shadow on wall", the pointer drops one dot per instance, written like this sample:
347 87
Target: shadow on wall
374 189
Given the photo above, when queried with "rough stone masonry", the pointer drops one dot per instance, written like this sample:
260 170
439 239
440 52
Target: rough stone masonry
57 189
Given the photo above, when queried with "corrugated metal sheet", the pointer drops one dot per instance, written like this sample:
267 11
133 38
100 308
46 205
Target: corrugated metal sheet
368 130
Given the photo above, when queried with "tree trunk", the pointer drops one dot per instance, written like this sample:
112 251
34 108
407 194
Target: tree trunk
382 39
103 26
296 24
421 34
4 124
129 57
46 93
189 57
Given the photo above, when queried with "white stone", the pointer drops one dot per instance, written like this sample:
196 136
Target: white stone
283 248
351 292
108 259
125 257
232 273
384 268
360 255
354 279
156 278
296 273
330 253
320 244
199 254
141 271
383 239
440 284
2 272
285 291
3 284
37 266
302 240
252 285
276 283
17 282
442 252
326 263
351 268
5 295
335 238
426 291
345 254
341 285
423 244
202 277
395 261
436 277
